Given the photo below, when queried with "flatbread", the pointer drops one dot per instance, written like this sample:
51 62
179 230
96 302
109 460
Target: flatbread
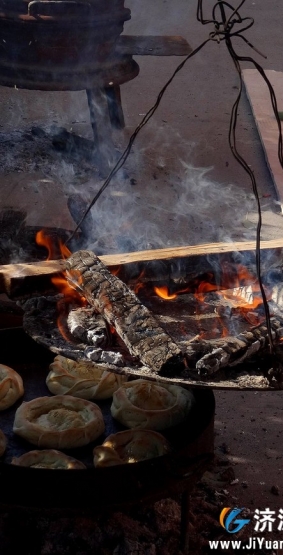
59 422
86 380
130 446
11 387
152 405
48 458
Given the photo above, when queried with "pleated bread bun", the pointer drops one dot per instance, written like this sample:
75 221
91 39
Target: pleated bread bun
151 405
11 387
3 443
82 379
59 422
48 458
130 446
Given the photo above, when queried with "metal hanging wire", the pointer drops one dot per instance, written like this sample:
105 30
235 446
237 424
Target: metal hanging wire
225 29
228 23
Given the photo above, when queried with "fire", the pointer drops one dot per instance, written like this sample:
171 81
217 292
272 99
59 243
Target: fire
245 296
238 289
203 288
164 293
71 296
52 247
44 241
139 285
63 287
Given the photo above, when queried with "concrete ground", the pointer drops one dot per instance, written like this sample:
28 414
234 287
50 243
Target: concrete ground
182 186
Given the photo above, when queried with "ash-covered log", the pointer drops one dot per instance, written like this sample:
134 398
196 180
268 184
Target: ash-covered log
234 350
133 322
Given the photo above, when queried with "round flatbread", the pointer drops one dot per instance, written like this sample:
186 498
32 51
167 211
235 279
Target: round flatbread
11 387
48 458
151 405
3 443
60 422
130 446
86 380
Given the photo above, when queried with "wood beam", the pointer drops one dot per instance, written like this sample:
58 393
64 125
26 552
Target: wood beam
25 279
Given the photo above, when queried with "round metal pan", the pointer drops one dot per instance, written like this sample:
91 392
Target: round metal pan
95 489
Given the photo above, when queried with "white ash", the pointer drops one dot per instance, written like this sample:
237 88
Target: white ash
212 362
277 295
109 357
112 358
93 354
88 326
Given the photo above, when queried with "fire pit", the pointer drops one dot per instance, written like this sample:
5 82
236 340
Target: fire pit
221 328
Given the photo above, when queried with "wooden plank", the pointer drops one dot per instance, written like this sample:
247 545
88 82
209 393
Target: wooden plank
29 277
152 45
182 252
259 98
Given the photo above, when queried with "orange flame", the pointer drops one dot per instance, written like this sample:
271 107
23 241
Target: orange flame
64 250
245 295
203 288
46 241
71 296
139 285
164 293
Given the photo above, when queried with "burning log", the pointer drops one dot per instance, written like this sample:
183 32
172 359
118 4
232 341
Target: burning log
234 350
133 322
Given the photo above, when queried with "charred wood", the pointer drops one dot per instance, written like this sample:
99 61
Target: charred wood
275 310
45 331
277 296
134 323
88 326
234 350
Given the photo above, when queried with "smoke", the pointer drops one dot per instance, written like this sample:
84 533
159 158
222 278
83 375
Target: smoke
166 209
